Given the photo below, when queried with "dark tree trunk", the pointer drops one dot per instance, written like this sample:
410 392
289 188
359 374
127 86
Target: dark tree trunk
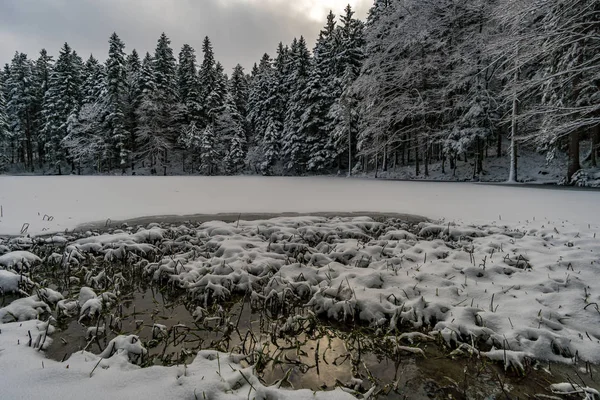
595 143
427 157
574 161
417 164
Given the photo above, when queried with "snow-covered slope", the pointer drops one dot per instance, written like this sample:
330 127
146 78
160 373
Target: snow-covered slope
58 203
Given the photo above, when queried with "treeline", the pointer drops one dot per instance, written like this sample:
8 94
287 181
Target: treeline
421 81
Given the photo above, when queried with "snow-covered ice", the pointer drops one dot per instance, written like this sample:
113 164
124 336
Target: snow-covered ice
52 204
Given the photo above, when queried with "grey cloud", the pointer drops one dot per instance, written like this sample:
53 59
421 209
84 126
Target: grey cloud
241 31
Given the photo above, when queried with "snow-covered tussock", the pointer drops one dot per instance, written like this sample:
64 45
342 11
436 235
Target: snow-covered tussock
532 289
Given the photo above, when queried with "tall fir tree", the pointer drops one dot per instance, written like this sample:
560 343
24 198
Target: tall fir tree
191 108
115 99
4 130
93 82
188 85
294 151
208 82
263 118
344 116
61 100
133 99
43 68
230 126
20 109
238 88
323 87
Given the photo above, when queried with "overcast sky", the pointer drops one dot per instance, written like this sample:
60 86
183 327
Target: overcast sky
241 30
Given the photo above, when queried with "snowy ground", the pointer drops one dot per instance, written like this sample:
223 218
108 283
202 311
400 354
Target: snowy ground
51 204
514 277
533 167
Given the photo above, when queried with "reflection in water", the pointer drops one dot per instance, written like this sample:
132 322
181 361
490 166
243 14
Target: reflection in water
300 351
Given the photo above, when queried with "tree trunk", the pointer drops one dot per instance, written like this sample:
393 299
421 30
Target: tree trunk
513 175
444 165
417 165
479 157
349 116
384 165
595 142
427 156
574 161
514 161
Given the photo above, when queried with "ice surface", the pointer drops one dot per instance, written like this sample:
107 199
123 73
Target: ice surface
53 204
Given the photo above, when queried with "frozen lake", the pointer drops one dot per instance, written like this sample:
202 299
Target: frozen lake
72 200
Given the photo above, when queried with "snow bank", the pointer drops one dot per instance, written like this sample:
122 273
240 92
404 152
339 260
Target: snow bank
26 374
52 204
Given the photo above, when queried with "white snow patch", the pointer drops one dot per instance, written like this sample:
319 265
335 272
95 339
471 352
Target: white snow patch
73 200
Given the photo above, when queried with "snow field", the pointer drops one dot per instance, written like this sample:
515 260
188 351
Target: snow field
53 204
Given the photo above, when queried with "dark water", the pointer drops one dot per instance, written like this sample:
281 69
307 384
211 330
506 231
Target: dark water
313 355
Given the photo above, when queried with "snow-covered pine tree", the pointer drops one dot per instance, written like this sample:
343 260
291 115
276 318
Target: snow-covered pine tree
166 98
208 151
61 100
151 145
191 109
323 87
207 76
133 99
4 130
216 98
86 141
115 102
344 115
42 70
230 127
294 151
188 86
21 109
264 118
94 81
238 88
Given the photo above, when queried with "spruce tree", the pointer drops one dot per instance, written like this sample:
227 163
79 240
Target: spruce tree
43 68
191 108
133 100
4 131
21 104
165 98
208 150
323 88
208 82
188 85
115 100
61 100
94 81
344 115
294 151
263 117
238 88
231 133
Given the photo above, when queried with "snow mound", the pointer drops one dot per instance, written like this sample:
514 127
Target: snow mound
19 259
11 282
